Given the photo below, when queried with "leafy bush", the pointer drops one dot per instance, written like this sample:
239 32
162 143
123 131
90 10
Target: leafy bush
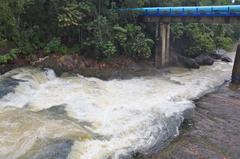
141 46
224 43
73 14
177 31
94 30
3 43
6 58
109 49
55 46
29 42
101 38
193 39
202 44
133 41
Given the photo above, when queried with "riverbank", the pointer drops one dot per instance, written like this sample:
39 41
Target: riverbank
211 131
121 67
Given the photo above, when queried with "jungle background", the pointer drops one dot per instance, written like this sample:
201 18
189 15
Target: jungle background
92 29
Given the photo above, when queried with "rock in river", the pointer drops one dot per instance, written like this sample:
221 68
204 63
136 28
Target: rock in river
188 62
204 60
226 58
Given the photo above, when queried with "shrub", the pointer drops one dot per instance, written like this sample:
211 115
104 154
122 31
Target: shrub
29 42
55 46
133 41
109 49
224 43
101 39
6 58
3 43
202 44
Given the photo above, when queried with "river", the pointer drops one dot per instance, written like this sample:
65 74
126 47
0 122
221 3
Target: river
75 117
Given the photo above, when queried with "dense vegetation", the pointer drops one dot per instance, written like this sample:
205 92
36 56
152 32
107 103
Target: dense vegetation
90 28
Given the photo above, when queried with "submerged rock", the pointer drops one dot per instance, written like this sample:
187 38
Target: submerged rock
204 60
58 149
33 135
8 85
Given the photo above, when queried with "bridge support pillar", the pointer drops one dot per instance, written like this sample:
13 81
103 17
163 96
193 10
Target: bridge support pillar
162 53
236 67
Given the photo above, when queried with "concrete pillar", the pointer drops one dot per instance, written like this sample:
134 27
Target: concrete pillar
158 58
162 54
163 29
236 67
168 52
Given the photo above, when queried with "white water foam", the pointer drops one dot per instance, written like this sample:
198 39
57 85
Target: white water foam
134 115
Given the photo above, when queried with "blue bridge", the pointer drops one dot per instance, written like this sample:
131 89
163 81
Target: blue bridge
164 16
194 11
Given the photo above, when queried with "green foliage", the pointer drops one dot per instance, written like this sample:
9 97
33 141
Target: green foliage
55 46
6 58
101 38
29 42
201 41
177 31
202 44
236 31
3 43
108 49
224 42
73 14
89 27
133 41
10 12
195 39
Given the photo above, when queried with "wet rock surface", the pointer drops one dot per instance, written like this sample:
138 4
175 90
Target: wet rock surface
225 58
58 149
204 60
188 62
211 131
8 85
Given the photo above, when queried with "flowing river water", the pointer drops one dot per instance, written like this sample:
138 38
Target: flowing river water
73 117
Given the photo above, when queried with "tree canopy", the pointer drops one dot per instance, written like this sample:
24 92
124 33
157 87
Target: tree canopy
90 28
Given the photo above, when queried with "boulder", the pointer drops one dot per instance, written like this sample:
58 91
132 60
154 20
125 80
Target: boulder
225 58
221 52
218 54
204 60
188 62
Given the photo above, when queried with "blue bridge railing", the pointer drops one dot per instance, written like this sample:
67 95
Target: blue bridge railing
227 10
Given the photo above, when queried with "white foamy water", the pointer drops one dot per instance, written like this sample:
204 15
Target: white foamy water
126 116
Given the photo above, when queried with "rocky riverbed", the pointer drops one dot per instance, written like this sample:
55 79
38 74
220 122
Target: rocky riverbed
211 131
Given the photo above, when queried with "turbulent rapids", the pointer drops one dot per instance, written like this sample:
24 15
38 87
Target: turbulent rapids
74 117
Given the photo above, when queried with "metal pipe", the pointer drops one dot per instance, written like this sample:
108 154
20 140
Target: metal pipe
225 10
